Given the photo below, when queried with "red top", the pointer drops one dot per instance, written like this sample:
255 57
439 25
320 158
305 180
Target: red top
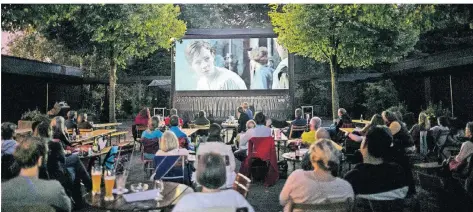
140 120
263 148
167 121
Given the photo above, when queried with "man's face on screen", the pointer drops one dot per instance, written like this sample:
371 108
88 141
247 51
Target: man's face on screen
203 63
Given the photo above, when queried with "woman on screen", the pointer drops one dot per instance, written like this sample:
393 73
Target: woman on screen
280 75
201 56
263 73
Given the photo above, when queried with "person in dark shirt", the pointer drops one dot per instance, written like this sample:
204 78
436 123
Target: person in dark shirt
82 122
71 121
242 119
202 119
59 131
375 178
298 121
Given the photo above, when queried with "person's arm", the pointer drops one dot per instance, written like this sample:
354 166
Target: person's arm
284 196
395 127
355 137
465 151
61 200
64 139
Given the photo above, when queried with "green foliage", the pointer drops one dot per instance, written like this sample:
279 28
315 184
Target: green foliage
34 115
379 96
350 35
437 110
358 35
226 15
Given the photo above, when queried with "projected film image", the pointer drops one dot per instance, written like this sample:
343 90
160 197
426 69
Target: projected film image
231 64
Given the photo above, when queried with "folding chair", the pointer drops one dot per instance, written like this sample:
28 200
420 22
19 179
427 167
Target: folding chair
440 141
242 184
171 168
298 129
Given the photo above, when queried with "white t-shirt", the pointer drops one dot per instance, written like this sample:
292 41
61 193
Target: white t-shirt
225 198
225 80
302 187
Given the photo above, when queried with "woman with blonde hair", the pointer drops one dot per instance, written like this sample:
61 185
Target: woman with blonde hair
319 185
169 145
422 125
263 74
60 131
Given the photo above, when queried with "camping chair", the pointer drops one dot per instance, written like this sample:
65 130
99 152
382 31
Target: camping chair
125 151
345 206
295 128
171 168
264 149
147 162
109 162
242 184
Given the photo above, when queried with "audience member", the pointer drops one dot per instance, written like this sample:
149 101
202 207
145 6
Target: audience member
243 141
319 185
59 131
402 144
211 175
142 119
10 168
358 135
27 189
259 131
242 119
215 144
173 112
247 110
8 133
375 178
202 119
466 149
442 122
174 122
169 145
298 121
420 126
309 137
150 139
82 122
71 122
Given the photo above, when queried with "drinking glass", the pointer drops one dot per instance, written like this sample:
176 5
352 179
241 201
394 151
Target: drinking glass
109 183
121 181
96 179
159 185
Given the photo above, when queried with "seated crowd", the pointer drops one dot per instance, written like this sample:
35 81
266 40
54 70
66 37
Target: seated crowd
382 172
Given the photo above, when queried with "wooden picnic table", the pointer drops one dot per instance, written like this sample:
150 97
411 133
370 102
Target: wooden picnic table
94 134
189 132
361 121
347 130
104 125
230 125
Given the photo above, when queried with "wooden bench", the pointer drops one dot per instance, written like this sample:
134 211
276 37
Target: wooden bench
119 135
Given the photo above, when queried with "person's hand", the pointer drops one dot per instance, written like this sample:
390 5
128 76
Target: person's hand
346 134
68 152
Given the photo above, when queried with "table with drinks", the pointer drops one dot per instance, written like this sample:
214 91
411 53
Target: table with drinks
120 194
295 156
230 123
278 137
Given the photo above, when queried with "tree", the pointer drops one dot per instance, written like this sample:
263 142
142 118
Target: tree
226 15
350 35
117 32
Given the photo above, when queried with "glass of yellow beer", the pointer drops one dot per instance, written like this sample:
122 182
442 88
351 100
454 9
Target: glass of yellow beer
109 179
96 179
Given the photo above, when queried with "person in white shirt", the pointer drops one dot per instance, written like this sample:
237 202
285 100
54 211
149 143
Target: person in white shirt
201 56
215 144
319 185
259 131
466 149
211 175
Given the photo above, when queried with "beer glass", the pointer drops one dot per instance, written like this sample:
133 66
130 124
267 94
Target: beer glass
96 179
109 179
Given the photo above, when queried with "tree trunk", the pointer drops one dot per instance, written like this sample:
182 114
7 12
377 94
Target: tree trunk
334 68
111 93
